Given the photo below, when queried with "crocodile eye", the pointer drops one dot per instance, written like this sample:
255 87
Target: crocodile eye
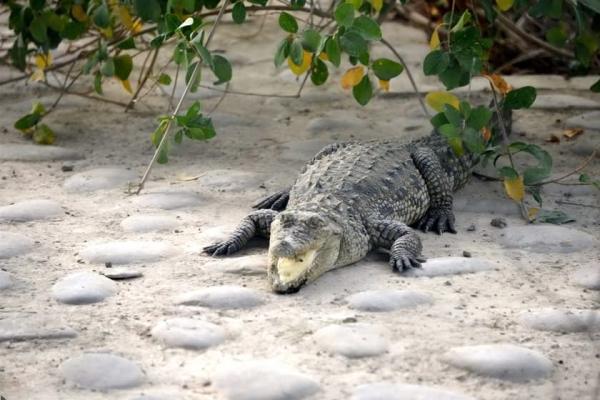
315 222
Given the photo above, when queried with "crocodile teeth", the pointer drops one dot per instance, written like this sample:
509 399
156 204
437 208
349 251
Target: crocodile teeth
290 269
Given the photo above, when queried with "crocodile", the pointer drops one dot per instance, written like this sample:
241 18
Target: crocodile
354 197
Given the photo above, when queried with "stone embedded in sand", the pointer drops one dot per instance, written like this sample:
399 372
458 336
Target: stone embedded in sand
188 333
14 244
450 266
100 371
352 340
230 180
5 280
590 120
149 223
501 361
121 273
547 238
127 252
32 152
562 320
222 297
83 288
563 101
98 179
247 265
168 200
588 277
390 391
263 380
15 327
30 210
387 300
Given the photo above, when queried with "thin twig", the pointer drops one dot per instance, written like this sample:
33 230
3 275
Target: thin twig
576 170
572 203
64 89
236 92
303 83
141 83
221 98
87 96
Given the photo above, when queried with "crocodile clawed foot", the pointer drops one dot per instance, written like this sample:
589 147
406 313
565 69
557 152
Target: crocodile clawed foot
404 261
277 201
440 219
222 249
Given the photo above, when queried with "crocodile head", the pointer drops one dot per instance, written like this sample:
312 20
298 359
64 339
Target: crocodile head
303 246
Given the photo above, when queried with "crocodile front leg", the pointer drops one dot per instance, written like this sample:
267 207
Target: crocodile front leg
404 244
257 223
277 201
439 216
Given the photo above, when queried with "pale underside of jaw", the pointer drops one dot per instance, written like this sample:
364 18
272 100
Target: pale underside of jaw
290 269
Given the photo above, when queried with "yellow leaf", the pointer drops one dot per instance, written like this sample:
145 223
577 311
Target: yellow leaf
384 85
499 83
43 61
572 133
38 75
300 69
377 4
137 26
515 189
352 77
323 56
125 17
486 133
126 85
434 42
78 13
532 213
43 135
504 5
436 100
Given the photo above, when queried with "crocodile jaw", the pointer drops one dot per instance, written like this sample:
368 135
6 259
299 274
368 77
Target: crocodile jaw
290 269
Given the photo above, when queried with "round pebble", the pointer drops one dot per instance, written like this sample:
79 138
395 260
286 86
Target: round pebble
547 238
387 300
562 320
590 120
501 361
263 380
149 223
247 265
98 179
127 252
30 210
450 266
33 152
83 288
188 333
5 280
221 297
389 391
588 277
14 244
120 273
352 340
168 200
16 327
100 371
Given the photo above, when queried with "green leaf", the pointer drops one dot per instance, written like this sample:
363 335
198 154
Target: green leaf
508 173
163 154
238 12
190 74
178 137
449 130
547 8
474 140
38 30
205 55
465 18
222 69
43 134
200 129
465 109
553 217
385 69
18 53
37 4
479 118
192 112
353 44
363 91
98 82
27 121
101 16
453 115
73 29
164 79
123 66
282 52
556 36
108 68
147 10
344 14
319 73
297 52
596 87
310 40
435 62
126 44
454 76
456 144
439 119
367 28
520 98
288 23
535 175
332 48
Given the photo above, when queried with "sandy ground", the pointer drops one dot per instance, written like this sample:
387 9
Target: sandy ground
261 144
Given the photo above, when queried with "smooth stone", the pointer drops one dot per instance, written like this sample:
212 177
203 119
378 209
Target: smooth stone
100 371
188 333
264 380
5 280
32 152
590 120
328 125
127 252
30 210
230 180
387 300
563 101
390 391
83 288
547 238
222 297
149 223
14 244
352 340
588 277
98 179
248 265
168 200
562 320
31 327
442 266
501 361
120 273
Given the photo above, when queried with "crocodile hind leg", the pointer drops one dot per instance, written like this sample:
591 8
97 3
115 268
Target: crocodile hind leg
402 242
439 216
257 223
277 201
